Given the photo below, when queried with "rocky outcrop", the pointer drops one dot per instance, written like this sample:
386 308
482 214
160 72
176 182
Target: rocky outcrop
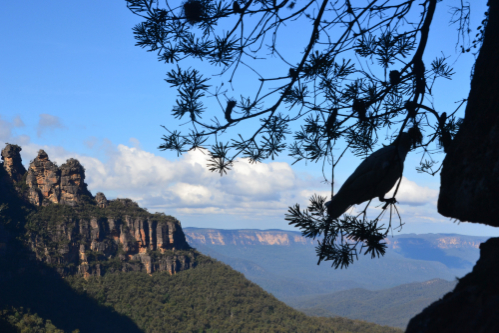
472 306
12 162
43 180
49 183
101 200
72 182
470 171
77 234
468 188
120 237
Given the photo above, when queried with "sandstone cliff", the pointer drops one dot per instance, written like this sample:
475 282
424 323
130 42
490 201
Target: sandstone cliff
12 162
75 233
245 237
51 184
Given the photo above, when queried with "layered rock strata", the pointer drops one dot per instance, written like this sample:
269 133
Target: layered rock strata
90 246
133 241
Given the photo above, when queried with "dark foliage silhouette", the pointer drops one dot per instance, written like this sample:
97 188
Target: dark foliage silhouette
357 78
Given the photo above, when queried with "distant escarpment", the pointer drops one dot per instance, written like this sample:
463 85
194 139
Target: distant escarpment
199 236
78 234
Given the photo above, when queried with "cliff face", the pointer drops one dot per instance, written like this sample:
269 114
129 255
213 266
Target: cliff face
294 238
436 241
120 237
76 233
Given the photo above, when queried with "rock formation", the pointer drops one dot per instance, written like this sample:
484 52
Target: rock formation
101 200
12 162
470 170
72 182
468 189
89 236
49 183
43 180
130 241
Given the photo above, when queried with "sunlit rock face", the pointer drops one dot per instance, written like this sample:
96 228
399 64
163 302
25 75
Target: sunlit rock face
44 179
72 182
135 241
49 183
12 162
246 237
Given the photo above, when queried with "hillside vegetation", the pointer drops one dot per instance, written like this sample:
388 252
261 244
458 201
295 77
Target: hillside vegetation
208 298
18 320
414 273
393 307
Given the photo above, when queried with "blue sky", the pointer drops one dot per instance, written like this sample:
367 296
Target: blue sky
73 83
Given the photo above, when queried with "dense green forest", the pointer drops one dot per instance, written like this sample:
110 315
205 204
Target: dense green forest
209 298
18 320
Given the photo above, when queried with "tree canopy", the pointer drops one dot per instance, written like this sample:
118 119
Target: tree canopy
357 78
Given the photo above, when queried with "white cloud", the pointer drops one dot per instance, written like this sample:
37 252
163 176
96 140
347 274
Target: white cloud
187 189
412 194
48 122
186 185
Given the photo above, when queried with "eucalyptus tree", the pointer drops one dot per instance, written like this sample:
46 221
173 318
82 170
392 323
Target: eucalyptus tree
358 77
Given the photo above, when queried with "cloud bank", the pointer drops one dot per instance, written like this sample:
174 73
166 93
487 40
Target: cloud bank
185 187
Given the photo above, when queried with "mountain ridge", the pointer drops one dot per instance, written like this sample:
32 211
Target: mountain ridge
216 236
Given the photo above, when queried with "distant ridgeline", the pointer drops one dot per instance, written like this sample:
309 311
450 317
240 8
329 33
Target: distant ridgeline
75 233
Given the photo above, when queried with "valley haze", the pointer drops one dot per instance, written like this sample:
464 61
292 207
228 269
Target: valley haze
415 271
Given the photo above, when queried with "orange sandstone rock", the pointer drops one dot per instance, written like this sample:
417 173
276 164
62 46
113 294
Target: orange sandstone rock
63 185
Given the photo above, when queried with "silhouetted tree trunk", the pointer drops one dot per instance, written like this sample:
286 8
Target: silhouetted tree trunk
469 192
